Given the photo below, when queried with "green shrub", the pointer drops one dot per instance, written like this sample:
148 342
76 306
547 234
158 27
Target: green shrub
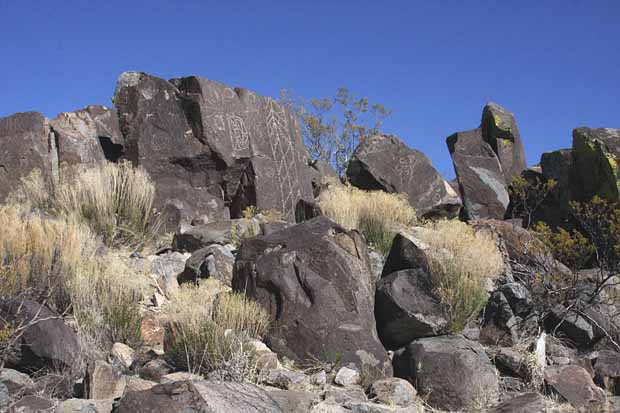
377 215
572 249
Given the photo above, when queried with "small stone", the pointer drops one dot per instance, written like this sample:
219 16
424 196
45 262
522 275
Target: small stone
319 379
102 382
15 381
135 383
393 391
346 377
154 370
123 354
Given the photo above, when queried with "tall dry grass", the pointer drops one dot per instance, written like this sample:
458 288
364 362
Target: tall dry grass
462 263
54 260
114 200
376 214
210 328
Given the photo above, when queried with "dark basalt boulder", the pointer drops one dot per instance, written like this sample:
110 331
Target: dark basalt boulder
499 129
481 179
27 143
557 165
46 343
451 372
386 163
199 396
315 281
405 309
596 153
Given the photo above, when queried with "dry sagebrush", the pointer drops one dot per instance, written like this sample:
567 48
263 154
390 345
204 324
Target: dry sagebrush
376 214
462 262
114 200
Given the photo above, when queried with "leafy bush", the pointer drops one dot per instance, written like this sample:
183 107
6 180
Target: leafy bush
461 264
210 329
376 214
572 249
526 197
114 200
54 260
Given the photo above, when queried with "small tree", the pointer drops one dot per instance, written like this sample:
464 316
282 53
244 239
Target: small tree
333 127
526 197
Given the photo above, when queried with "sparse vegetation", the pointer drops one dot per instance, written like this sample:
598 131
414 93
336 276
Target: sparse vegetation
114 200
526 197
462 263
376 214
572 249
209 331
333 127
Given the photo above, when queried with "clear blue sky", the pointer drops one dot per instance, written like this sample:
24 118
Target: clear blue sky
555 64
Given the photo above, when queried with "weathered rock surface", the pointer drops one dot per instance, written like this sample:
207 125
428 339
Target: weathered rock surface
207 144
315 281
393 391
386 163
199 396
405 309
213 261
103 382
194 237
499 129
47 342
525 403
77 138
84 406
595 155
575 385
16 382
571 325
453 372
25 139
322 175
293 401
481 179
607 371
557 165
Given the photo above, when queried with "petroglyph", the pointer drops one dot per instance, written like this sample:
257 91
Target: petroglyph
239 136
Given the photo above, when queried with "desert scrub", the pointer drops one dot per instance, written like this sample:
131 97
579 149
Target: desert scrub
114 200
376 214
54 259
209 331
572 249
461 262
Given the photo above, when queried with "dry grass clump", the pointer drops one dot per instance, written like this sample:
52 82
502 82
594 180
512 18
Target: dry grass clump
114 200
462 262
376 214
54 260
209 329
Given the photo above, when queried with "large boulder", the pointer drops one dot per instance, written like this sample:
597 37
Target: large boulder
386 163
480 175
556 165
596 154
406 309
575 385
499 129
451 372
199 396
26 142
256 141
315 281
46 342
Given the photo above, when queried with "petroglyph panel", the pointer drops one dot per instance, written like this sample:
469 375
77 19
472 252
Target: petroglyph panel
239 136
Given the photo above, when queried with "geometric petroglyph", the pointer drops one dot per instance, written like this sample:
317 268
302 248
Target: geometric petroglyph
283 156
239 136
218 120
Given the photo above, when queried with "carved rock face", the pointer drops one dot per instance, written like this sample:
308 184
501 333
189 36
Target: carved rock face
211 146
315 280
480 175
386 163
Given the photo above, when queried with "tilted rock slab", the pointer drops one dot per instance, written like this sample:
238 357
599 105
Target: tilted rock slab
199 396
209 145
315 281
499 129
386 163
480 176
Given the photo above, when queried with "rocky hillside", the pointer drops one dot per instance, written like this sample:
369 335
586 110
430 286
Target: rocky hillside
182 252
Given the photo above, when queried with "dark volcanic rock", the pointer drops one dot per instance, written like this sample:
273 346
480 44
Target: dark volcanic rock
607 371
452 372
199 396
575 385
596 153
405 309
26 140
557 165
499 129
194 237
386 163
572 325
480 175
213 261
46 342
243 128
322 175
315 281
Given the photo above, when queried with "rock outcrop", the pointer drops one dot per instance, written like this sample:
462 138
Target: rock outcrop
315 281
386 163
480 176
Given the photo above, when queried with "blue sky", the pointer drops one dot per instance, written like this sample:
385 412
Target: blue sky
555 64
